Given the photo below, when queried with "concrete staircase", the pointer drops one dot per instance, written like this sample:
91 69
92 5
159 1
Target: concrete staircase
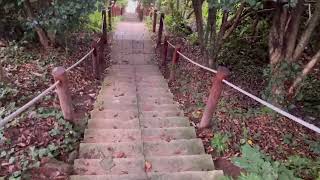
137 131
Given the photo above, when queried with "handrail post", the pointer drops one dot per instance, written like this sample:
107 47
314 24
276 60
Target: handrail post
101 64
154 24
121 11
141 13
104 26
215 94
60 74
165 50
175 59
110 18
95 61
160 29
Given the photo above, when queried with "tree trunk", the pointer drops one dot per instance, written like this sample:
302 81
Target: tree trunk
276 35
44 40
178 5
284 49
211 26
197 6
292 30
276 90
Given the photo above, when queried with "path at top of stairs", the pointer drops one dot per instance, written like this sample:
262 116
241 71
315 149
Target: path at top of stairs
137 131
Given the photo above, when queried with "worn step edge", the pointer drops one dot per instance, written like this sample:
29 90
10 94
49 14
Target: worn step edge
169 164
186 175
173 147
129 135
116 150
112 166
163 164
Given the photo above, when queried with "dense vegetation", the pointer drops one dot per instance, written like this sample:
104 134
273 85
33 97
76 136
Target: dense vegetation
273 50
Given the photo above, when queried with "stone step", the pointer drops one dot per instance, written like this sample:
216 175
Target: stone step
171 113
186 175
156 101
152 83
135 123
168 134
135 149
129 135
111 89
118 124
147 94
132 78
144 85
173 148
121 106
132 98
119 83
150 78
158 108
111 103
112 135
110 177
109 166
179 163
114 114
153 89
163 164
114 150
118 106
165 123
164 119
154 92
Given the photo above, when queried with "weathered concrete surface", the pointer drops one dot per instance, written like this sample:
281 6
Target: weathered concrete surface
137 131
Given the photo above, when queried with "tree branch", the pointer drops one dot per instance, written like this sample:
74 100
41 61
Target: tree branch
293 28
307 33
235 22
307 69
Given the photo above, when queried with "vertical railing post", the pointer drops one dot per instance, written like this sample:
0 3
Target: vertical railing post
110 17
95 61
141 13
175 59
165 50
160 29
121 11
104 26
215 94
101 64
154 24
60 74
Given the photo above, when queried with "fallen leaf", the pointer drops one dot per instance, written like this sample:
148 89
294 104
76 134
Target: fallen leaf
147 166
119 155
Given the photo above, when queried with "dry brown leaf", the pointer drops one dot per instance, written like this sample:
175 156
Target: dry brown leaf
119 155
147 166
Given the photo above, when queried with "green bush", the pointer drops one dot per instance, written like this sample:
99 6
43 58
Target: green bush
304 167
258 166
95 22
220 142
